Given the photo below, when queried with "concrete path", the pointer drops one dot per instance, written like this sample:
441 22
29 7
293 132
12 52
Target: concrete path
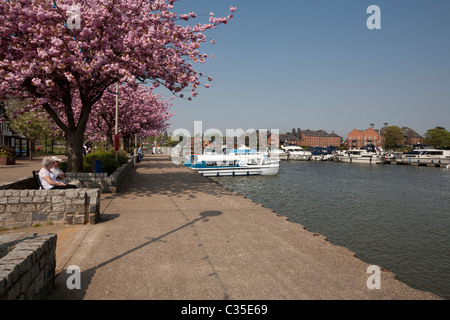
170 233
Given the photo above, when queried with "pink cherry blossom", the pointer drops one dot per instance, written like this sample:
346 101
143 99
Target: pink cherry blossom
65 71
140 112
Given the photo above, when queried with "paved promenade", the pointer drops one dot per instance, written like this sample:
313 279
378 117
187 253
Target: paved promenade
170 233
21 169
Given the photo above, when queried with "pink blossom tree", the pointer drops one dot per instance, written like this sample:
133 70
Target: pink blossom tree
55 58
140 112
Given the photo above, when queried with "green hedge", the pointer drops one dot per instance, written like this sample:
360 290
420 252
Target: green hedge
109 164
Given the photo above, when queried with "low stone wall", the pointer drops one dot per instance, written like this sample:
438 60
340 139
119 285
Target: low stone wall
23 208
27 266
107 184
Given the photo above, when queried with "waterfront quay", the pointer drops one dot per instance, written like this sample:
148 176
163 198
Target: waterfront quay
170 233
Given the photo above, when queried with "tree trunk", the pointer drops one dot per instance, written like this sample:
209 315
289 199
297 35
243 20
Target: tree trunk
126 144
109 139
29 149
74 151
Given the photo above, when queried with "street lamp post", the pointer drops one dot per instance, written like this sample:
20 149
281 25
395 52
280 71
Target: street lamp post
116 136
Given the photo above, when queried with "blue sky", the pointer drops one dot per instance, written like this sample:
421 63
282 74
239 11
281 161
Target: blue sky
315 65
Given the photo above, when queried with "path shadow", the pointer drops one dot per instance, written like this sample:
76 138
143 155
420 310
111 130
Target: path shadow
183 183
61 292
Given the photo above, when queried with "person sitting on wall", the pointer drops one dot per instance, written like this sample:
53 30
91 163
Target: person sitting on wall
48 178
60 175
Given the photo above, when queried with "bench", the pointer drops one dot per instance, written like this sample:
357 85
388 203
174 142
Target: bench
38 180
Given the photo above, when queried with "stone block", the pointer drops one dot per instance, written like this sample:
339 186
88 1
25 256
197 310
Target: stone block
72 193
13 200
39 199
92 218
34 271
22 216
57 199
38 282
35 247
69 218
58 207
79 219
25 261
79 201
43 261
44 207
93 208
56 216
23 193
39 216
12 208
25 280
13 292
72 209
9 271
27 199
28 207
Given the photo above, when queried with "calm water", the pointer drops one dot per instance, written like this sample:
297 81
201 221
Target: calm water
392 216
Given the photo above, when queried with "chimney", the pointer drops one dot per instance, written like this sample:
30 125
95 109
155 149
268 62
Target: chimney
299 133
293 132
385 124
372 125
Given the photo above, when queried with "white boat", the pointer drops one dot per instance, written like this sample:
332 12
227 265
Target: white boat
322 157
426 157
367 154
240 162
278 154
297 153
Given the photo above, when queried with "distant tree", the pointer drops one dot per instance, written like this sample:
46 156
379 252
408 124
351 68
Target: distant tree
32 125
393 137
141 112
438 137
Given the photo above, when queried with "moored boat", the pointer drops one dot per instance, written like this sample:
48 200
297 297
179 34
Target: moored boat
278 154
367 154
425 157
236 162
321 154
295 152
